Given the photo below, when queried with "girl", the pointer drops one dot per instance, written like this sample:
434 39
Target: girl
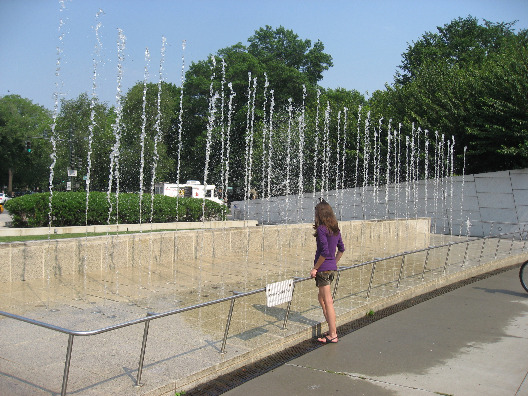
328 238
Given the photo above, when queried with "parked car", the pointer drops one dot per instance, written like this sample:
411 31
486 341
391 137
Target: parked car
3 198
21 193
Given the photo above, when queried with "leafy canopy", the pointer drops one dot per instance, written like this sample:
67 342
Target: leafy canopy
21 121
285 47
463 42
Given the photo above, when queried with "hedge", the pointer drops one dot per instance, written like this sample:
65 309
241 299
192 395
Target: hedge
69 209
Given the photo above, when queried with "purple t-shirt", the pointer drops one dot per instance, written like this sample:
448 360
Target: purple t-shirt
326 247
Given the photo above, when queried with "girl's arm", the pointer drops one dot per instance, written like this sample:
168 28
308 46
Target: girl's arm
338 256
320 262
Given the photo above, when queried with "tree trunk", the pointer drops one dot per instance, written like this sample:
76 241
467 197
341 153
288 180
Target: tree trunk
10 182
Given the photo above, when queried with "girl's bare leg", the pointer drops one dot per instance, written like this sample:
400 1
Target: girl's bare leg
327 304
320 297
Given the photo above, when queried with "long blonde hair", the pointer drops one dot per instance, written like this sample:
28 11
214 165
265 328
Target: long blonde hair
324 215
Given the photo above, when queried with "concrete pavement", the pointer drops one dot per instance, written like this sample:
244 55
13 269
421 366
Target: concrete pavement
470 341
5 218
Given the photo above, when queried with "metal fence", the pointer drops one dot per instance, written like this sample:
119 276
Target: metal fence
420 261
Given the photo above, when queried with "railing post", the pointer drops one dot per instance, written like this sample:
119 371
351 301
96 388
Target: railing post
229 315
447 259
484 239
143 348
371 279
336 284
513 241
289 305
482 250
425 264
67 365
497 247
465 254
401 269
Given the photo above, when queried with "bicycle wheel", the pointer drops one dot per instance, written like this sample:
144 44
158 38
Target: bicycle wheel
523 275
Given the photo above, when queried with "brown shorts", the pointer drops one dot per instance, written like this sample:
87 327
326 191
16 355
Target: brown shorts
324 278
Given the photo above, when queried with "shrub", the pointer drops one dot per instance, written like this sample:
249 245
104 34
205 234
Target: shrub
70 209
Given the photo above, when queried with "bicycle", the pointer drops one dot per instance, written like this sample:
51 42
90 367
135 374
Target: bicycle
523 275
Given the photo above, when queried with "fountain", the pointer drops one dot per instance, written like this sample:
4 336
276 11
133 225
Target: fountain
153 261
384 207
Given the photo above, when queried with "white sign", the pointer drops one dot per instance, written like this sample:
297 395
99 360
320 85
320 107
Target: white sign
68 186
72 172
279 292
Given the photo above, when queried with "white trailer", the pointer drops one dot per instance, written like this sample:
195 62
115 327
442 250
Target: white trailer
191 189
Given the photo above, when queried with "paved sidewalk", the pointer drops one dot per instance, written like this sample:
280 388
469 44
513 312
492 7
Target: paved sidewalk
470 341
5 218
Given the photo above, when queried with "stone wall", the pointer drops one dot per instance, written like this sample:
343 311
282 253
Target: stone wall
478 205
22 261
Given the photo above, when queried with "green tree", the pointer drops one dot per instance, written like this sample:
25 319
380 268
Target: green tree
498 138
465 81
135 121
274 60
344 106
229 73
463 42
282 46
73 131
21 121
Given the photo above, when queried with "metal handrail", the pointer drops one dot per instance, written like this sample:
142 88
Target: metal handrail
232 299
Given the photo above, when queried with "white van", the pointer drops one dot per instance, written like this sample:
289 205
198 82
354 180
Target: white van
191 189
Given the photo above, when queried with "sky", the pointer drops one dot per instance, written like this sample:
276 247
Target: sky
366 39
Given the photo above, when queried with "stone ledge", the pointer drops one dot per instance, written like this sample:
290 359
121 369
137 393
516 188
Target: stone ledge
145 227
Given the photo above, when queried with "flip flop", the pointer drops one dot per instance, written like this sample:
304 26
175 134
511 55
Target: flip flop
327 340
